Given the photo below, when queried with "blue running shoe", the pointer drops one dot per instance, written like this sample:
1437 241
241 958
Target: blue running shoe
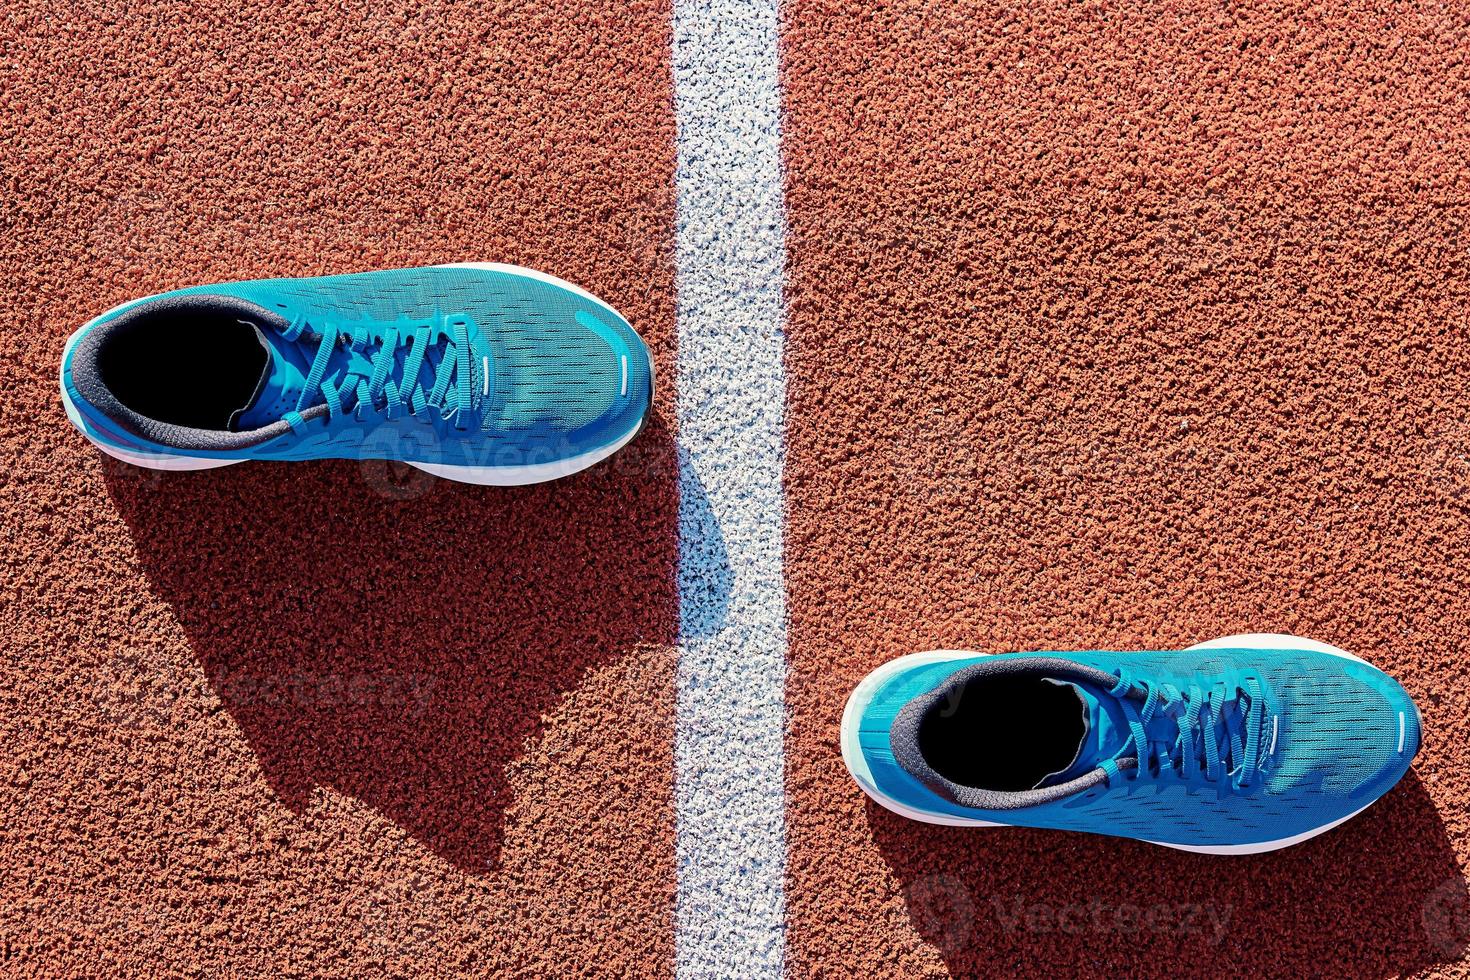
1237 746
483 373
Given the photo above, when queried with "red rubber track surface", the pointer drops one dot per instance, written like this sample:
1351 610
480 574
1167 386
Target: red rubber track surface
1110 326
1121 325
324 719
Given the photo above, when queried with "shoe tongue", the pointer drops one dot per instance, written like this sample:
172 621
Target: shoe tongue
280 384
1104 731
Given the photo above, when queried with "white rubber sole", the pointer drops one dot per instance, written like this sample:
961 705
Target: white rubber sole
520 270
518 476
494 476
862 696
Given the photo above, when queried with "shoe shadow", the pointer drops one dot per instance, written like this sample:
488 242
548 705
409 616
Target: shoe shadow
706 577
1379 896
399 638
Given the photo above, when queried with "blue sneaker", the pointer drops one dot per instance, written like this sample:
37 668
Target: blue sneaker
483 373
1241 745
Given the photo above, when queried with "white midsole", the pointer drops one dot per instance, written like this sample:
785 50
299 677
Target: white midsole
516 476
498 476
546 277
862 696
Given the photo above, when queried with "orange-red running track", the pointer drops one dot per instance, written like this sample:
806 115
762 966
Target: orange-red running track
1104 325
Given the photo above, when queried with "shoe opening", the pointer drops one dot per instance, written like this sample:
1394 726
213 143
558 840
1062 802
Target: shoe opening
186 365
1004 733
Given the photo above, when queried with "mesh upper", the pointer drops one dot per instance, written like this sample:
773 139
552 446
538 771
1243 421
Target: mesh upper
549 368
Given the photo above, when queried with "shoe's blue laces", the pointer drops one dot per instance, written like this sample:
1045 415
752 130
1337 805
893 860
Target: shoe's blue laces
375 388
1200 721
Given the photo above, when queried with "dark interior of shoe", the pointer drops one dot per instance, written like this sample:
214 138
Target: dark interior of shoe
184 366
1004 733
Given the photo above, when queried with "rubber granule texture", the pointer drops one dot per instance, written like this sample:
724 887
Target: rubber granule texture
327 719
1127 326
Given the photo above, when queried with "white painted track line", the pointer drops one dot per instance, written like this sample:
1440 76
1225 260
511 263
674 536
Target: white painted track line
731 393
